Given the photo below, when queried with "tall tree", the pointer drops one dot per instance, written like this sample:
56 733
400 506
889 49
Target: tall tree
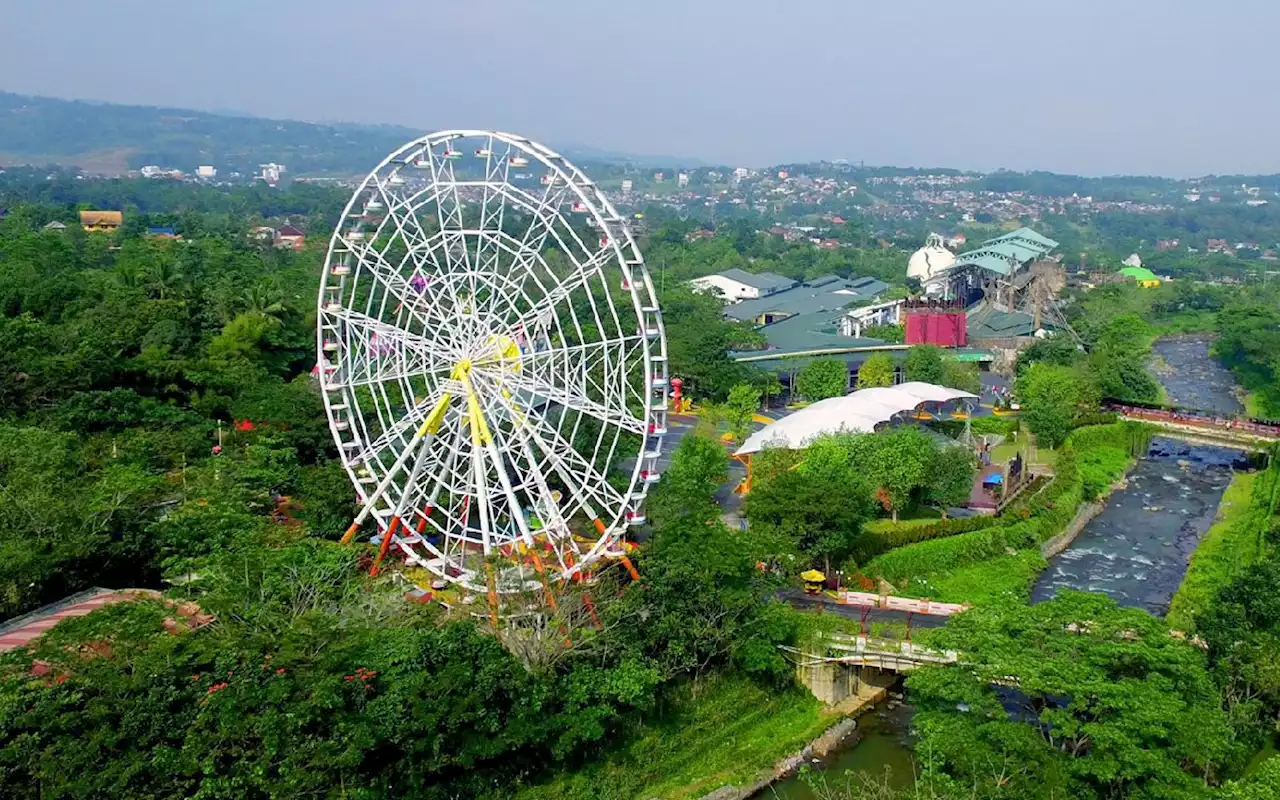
924 363
823 378
1049 396
877 370
740 409
961 375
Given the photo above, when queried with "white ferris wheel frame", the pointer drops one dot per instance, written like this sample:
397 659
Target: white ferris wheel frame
513 375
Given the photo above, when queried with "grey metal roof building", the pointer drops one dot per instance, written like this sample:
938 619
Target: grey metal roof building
821 294
764 281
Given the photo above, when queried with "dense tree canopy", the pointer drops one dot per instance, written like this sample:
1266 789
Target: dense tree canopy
924 363
1105 704
877 370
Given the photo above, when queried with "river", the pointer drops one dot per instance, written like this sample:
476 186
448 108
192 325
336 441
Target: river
1192 378
1137 550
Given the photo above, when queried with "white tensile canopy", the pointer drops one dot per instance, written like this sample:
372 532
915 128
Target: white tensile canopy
859 412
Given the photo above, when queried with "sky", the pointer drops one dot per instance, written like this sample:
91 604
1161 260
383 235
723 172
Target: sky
1095 87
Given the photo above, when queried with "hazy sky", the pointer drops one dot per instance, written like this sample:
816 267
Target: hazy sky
1175 87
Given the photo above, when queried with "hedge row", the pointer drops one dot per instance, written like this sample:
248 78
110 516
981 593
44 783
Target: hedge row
872 543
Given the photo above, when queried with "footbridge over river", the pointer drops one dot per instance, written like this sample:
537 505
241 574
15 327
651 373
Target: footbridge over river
1201 427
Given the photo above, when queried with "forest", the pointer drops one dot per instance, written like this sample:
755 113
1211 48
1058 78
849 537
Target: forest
159 428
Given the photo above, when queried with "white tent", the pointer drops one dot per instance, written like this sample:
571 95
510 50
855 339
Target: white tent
859 412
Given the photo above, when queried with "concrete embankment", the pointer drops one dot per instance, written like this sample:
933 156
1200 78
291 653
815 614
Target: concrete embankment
870 693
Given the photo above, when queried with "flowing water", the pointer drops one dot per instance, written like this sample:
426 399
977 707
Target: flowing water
1192 378
880 750
1137 549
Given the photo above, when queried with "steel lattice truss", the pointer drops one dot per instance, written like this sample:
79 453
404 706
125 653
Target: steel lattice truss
492 361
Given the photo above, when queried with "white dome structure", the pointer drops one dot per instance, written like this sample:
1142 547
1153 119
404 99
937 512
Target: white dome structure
930 260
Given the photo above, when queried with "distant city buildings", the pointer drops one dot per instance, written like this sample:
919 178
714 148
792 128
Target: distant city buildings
206 172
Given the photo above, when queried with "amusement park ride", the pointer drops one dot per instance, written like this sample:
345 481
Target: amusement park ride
493 366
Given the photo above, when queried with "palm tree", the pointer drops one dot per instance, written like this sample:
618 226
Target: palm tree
166 278
264 298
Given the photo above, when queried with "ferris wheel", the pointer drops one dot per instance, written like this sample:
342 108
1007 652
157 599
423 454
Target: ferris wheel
492 362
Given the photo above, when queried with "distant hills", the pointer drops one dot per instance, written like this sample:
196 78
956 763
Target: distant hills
109 139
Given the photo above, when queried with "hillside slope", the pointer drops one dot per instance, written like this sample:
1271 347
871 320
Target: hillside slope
104 137
110 139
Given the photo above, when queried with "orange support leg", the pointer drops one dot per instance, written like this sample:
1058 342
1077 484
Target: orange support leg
493 595
351 532
386 545
542 573
626 562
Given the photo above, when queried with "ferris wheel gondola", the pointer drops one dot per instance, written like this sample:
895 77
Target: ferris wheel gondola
473 385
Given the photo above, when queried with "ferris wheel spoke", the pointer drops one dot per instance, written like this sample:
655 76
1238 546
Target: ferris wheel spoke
390 338
574 470
581 356
427 305
572 399
579 468
545 306
409 229
570 245
451 220
398 432
496 176
527 250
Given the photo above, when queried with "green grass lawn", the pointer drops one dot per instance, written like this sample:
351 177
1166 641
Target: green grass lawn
1006 450
728 734
1253 405
980 583
1230 545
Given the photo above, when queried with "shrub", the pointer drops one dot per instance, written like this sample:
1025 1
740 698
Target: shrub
875 541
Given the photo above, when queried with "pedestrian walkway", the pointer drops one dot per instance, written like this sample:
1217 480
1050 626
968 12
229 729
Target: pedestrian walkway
23 630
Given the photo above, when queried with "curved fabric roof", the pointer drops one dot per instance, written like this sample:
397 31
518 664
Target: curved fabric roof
1139 274
859 412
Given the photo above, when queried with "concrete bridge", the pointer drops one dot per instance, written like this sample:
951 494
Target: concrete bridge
844 665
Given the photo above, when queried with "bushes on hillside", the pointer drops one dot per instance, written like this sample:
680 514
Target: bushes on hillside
1089 462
